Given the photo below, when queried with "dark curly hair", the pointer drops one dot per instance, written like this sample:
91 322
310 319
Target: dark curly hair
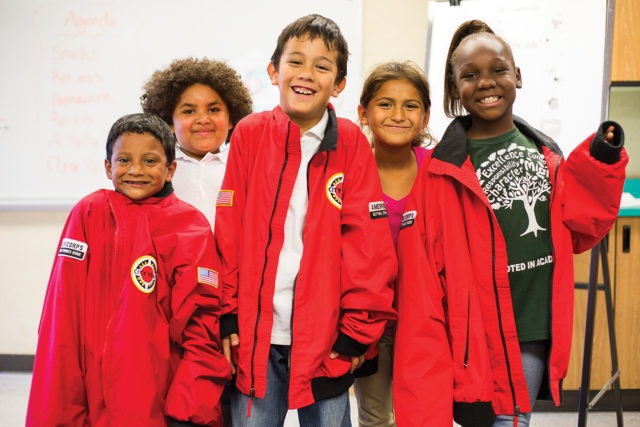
163 90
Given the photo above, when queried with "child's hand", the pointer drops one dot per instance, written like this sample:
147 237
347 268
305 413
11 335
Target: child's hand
356 361
228 344
608 135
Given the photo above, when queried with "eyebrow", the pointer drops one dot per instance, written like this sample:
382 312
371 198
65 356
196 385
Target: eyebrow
326 58
191 104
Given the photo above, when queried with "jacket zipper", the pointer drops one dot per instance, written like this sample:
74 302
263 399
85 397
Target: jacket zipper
465 362
516 408
252 390
293 295
553 267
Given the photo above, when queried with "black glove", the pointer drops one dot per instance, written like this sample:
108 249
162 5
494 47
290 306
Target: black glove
603 150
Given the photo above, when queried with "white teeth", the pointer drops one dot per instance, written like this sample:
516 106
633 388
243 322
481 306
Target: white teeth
302 91
488 99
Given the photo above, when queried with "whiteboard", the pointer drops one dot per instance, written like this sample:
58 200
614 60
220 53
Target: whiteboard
559 47
72 67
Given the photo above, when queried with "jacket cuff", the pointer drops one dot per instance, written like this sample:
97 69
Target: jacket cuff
604 151
476 414
172 422
228 325
348 346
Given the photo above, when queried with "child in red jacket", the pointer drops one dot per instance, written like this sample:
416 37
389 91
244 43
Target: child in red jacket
487 249
129 329
307 256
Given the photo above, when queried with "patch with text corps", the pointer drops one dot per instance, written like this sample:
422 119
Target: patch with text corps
408 219
73 249
334 189
377 210
224 198
144 272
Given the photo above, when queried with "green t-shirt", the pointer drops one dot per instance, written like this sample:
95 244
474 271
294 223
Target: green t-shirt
515 178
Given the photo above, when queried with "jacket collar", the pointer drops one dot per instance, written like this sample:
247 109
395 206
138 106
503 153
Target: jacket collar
330 140
453 146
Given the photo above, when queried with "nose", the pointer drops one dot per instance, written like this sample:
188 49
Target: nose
486 81
203 118
397 113
135 168
305 72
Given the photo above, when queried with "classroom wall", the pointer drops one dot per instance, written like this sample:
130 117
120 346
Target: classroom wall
29 238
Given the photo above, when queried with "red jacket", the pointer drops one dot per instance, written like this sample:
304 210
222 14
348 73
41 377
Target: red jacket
453 281
342 294
129 329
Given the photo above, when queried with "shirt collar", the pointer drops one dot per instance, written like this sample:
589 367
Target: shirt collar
320 127
181 155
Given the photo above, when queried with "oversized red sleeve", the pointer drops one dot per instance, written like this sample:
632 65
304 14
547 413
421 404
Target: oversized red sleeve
229 218
368 264
592 190
423 365
194 394
57 395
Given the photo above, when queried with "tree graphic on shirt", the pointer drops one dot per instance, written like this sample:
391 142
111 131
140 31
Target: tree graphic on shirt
527 182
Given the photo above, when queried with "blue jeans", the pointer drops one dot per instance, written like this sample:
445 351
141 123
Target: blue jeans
272 410
534 359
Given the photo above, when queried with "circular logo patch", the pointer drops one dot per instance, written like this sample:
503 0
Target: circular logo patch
334 189
143 273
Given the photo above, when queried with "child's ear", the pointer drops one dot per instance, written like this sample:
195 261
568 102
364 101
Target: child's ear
425 122
362 116
171 169
107 168
273 74
518 78
339 87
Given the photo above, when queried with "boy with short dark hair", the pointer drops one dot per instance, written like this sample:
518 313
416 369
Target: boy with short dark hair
307 256
129 329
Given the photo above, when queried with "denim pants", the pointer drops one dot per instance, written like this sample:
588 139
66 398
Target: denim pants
534 359
272 410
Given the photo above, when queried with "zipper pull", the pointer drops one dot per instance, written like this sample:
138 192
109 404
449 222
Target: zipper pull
252 393
515 416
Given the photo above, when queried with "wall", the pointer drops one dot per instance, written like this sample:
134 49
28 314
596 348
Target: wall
29 238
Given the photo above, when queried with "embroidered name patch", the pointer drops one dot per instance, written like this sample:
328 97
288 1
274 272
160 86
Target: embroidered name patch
224 198
208 276
143 273
408 218
377 210
73 249
334 189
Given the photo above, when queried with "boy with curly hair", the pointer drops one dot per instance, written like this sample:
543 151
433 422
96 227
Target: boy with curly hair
202 100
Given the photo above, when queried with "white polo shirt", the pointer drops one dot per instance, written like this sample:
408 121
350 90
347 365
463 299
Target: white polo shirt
197 181
291 253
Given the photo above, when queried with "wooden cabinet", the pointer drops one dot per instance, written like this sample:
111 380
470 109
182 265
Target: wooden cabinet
625 54
624 265
627 300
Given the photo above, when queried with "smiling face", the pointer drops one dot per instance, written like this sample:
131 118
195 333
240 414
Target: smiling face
200 121
396 114
306 78
138 166
486 80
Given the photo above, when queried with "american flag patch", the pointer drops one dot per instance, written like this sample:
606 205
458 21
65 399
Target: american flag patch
225 198
208 276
